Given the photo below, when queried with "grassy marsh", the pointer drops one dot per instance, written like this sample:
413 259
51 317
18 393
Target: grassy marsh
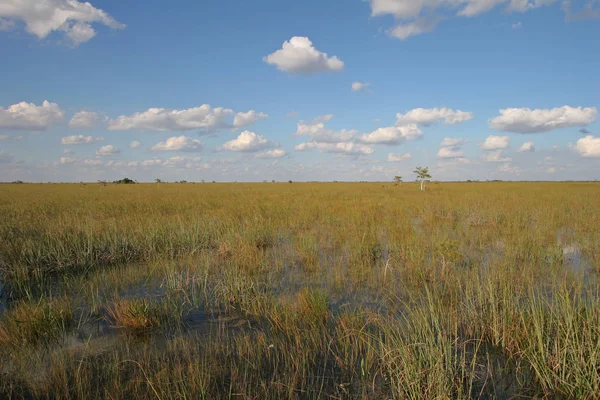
320 290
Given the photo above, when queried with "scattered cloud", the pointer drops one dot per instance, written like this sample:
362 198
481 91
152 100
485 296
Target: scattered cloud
517 25
527 147
509 168
450 148
359 87
85 120
28 116
525 120
495 156
179 143
204 117
92 162
299 56
392 135
414 17
428 116
134 145
247 142
80 139
494 142
317 131
68 152
108 150
291 114
447 152
275 153
591 10
67 160
349 148
248 118
43 17
588 146
398 157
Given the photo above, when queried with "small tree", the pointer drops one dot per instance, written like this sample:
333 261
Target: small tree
397 180
422 176
158 181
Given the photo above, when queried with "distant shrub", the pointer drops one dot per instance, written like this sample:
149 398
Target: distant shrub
125 181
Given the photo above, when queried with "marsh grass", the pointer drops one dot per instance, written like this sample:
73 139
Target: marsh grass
480 290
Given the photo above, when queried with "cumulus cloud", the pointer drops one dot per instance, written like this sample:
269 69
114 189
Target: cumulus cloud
493 142
398 157
428 116
527 147
359 86
67 160
525 120
317 131
447 152
275 153
421 25
299 56
588 146
509 168
179 143
6 157
85 120
248 118
80 139
204 117
28 116
349 148
42 17
392 135
247 142
134 145
108 150
495 156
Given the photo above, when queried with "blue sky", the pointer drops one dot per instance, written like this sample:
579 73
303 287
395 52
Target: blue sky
316 90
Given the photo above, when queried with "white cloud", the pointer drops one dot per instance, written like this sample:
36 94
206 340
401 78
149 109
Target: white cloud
447 152
398 157
427 116
414 17
28 116
248 118
42 17
392 135
317 131
509 168
359 86
588 146
452 142
108 150
275 153
496 156
291 114
551 170
67 160
524 120
6 157
80 139
204 117
517 25
247 142
298 55
527 147
85 120
68 152
405 30
179 143
134 145
493 142
349 148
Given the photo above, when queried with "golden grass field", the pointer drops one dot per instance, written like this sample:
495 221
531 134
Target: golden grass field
300 291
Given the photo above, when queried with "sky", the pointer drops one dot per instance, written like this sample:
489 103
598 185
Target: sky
313 90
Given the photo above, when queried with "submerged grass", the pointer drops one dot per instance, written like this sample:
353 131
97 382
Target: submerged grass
478 290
